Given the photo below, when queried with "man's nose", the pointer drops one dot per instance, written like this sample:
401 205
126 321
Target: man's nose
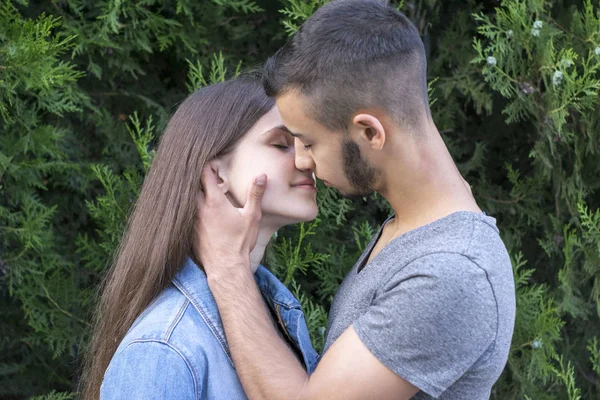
304 160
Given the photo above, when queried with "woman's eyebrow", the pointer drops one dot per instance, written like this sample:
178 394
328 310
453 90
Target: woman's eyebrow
285 129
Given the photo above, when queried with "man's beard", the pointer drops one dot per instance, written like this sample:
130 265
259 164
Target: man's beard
359 173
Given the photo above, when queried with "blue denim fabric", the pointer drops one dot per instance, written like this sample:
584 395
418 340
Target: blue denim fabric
176 349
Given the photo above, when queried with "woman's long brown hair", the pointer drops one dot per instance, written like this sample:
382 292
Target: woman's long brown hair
159 232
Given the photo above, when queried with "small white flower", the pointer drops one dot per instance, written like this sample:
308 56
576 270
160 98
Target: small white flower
538 24
526 87
597 51
557 78
510 33
566 63
491 61
535 32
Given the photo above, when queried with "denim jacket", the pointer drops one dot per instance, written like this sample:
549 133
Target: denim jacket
176 349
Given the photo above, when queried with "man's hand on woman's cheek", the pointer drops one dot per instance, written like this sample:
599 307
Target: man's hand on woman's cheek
225 235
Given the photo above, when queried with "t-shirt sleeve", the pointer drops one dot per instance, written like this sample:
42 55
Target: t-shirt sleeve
431 320
148 370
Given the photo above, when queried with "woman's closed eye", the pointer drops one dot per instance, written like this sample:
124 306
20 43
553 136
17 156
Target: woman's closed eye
282 143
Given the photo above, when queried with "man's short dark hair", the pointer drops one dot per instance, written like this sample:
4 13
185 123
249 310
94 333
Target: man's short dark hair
351 55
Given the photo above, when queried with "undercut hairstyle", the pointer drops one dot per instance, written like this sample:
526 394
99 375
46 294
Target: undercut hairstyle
352 55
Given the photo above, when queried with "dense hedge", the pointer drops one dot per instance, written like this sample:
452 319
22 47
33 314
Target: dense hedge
86 88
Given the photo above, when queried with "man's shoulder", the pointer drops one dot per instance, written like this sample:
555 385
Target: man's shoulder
442 274
460 238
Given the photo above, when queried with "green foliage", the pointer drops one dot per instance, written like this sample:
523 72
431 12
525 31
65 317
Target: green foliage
332 205
298 11
31 64
595 354
38 87
71 73
53 395
315 314
537 329
290 257
547 72
87 87
566 373
246 6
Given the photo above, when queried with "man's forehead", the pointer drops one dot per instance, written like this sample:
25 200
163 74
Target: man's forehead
293 113
292 100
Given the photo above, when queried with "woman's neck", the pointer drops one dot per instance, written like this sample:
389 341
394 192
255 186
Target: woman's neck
264 236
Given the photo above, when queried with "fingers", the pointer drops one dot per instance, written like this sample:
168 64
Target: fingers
255 195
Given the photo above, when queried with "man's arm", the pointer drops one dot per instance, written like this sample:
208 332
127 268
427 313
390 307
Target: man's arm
267 368
265 365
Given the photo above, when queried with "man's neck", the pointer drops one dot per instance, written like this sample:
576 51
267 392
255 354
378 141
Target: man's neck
430 189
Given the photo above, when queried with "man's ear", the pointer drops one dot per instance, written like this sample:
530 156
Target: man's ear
220 167
370 130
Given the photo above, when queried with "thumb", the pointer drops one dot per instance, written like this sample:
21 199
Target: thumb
255 194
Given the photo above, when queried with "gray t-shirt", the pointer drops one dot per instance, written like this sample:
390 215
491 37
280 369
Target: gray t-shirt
436 306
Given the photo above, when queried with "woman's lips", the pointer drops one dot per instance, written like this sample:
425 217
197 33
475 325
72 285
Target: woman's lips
306 184
311 188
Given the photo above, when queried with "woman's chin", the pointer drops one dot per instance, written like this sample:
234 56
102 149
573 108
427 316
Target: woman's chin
307 215
290 218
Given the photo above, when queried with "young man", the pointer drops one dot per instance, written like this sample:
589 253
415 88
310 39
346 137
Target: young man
428 310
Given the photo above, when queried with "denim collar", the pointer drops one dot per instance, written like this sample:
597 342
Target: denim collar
273 291
193 283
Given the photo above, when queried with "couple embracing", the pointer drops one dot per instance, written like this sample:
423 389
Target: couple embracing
188 312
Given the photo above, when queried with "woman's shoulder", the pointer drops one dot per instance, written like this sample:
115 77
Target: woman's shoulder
169 324
149 350
179 331
170 318
160 317
151 369
183 322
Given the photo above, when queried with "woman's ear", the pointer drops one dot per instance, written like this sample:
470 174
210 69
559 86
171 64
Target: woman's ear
220 167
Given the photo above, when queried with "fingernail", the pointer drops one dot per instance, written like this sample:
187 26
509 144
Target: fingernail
261 180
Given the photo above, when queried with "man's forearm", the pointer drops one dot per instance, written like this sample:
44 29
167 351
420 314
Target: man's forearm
266 366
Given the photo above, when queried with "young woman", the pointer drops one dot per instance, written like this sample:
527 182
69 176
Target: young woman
158 334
